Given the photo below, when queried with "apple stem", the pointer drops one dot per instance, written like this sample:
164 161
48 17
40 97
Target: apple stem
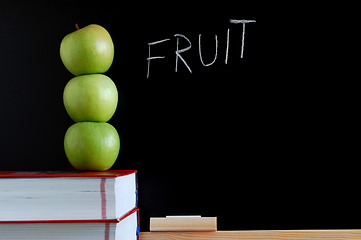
76 25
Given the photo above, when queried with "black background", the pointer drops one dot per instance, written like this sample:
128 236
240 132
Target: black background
263 142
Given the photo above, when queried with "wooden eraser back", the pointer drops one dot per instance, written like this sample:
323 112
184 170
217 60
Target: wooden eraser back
183 223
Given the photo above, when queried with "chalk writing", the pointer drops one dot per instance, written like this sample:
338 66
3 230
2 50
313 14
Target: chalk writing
177 52
227 48
180 37
149 58
200 52
243 30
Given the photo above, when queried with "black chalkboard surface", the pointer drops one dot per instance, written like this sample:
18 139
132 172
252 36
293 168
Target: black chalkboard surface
218 119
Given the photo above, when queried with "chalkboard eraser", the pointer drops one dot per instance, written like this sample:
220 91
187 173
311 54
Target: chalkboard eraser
183 223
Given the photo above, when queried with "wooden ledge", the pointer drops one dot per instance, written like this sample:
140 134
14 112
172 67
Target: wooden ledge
350 234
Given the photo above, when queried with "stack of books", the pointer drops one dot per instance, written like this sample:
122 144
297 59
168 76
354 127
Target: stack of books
69 205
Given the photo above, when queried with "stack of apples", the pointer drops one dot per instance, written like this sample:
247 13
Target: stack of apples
90 98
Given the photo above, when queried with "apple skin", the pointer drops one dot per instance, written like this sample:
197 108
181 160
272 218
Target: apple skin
90 98
91 146
87 50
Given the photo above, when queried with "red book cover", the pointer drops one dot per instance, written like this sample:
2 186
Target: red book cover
134 210
109 173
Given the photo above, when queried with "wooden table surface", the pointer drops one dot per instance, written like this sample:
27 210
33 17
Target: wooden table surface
351 234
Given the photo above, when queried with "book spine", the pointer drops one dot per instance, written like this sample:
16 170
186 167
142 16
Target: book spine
103 197
138 225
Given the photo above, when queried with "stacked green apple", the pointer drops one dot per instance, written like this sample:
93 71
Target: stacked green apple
90 99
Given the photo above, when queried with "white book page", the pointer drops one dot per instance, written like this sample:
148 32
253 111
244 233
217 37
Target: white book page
125 194
58 231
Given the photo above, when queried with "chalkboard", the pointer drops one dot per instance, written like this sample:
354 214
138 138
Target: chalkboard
218 119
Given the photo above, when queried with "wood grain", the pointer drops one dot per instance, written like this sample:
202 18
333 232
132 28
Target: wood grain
352 234
183 224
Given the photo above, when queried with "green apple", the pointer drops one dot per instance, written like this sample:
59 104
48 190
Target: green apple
87 50
90 98
91 146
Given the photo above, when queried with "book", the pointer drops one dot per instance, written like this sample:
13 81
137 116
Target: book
124 228
72 195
